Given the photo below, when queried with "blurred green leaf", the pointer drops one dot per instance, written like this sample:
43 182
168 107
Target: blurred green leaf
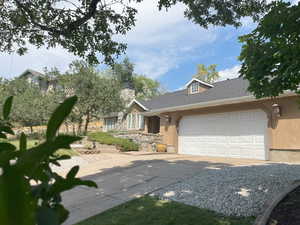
7 129
7 147
72 173
2 135
32 157
62 212
16 204
23 142
59 115
21 201
47 216
7 107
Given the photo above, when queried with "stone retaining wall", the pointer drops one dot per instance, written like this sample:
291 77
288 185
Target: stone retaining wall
146 141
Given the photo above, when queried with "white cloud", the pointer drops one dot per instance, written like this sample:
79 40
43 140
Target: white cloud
13 65
162 40
230 73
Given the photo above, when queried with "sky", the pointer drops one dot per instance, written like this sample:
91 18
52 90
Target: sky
164 46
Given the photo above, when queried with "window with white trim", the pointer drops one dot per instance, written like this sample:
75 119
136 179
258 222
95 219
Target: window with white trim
135 121
110 123
194 87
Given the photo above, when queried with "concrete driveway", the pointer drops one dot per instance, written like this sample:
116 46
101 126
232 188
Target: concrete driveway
122 177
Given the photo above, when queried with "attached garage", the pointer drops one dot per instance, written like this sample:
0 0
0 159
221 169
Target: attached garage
224 119
239 134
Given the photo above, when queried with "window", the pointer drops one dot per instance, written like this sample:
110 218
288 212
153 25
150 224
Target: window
194 87
110 123
135 121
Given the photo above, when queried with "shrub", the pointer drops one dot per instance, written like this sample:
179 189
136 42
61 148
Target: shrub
108 139
28 186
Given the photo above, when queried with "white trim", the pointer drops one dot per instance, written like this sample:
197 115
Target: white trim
200 81
191 88
243 99
138 103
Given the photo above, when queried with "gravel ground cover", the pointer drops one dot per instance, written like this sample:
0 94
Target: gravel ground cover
238 191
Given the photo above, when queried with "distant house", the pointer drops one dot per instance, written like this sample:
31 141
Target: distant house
45 83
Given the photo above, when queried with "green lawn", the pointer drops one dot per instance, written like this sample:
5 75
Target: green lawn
32 142
151 211
109 139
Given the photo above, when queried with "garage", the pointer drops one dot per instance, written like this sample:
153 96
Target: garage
239 134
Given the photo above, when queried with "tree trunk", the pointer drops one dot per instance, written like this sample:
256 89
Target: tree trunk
79 127
87 121
31 129
67 127
74 128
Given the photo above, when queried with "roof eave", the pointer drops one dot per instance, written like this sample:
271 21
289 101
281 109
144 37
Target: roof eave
138 103
243 99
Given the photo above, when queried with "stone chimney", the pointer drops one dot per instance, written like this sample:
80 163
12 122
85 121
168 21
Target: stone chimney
127 93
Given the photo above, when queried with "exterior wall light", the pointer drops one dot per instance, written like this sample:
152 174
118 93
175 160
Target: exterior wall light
276 110
168 119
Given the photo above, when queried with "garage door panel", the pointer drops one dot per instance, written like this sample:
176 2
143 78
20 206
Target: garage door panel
233 134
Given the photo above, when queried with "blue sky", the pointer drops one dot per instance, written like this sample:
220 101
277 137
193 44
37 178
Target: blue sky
163 45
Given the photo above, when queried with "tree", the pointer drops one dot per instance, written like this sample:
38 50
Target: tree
207 74
146 88
97 96
271 53
87 27
123 72
32 106
143 86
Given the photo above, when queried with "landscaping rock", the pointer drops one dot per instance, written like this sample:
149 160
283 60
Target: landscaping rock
146 141
238 191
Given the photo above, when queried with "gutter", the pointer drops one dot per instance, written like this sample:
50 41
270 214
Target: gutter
199 105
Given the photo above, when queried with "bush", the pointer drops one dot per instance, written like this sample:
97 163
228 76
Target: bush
28 185
108 139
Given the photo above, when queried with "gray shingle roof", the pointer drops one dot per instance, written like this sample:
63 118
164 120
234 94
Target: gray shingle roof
222 90
33 72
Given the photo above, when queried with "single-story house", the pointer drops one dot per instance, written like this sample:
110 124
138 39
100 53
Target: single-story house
221 119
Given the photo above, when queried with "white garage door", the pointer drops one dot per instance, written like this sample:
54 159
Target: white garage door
240 134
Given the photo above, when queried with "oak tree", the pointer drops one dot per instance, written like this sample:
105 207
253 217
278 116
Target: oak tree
88 27
271 53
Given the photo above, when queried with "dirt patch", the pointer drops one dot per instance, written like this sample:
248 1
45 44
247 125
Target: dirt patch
287 212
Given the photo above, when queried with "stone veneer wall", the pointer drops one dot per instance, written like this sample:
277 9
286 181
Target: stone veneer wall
146 141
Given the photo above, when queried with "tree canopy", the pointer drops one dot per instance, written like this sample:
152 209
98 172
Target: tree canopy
271 53
87 27
97 95
31 106
144 87
124 72
208 74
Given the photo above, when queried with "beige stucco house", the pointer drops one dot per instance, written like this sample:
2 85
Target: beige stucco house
221 119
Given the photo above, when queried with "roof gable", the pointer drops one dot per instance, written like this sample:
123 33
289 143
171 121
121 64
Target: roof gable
134 101
199 81
30 71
